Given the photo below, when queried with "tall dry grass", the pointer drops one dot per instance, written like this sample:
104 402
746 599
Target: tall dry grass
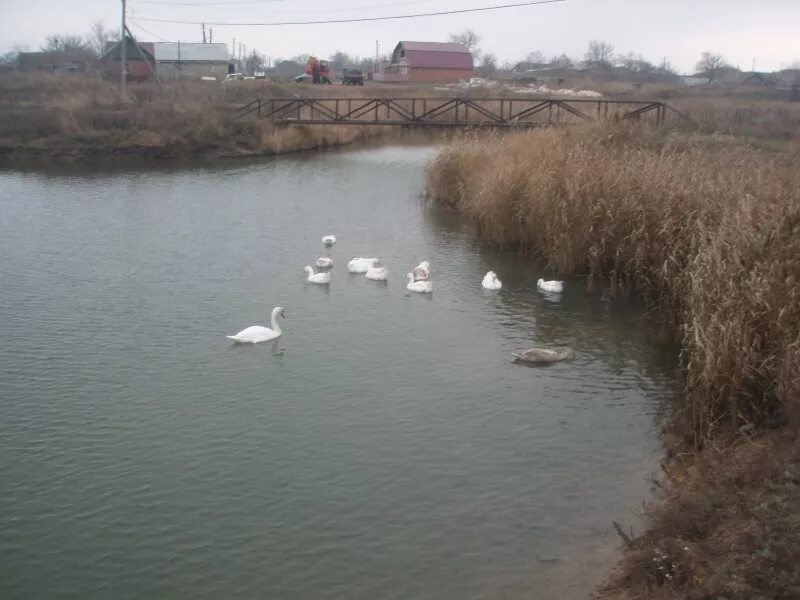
74 116
707 229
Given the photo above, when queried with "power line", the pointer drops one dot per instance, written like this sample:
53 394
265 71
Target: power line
214 3
147 31
357 20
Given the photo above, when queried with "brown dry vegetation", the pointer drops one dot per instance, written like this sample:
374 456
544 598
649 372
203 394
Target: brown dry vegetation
707 229
76 117
727 526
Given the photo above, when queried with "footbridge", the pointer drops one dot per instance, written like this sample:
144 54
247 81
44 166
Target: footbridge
453 112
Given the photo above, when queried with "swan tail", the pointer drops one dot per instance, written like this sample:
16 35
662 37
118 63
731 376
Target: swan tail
232 337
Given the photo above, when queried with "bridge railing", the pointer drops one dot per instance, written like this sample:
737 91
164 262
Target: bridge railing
453 112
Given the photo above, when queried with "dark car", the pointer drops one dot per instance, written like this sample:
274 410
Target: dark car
352 76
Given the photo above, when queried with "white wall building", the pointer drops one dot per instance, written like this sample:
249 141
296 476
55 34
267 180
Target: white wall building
180 60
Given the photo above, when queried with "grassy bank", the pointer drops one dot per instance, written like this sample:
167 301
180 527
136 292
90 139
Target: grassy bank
707 228
45 116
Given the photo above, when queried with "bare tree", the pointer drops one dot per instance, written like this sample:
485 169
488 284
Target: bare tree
467 38
711 64
488 65
253 62
563 61
666 67
535 57
64 43
634 62
599 53
100 36
10 58
339 60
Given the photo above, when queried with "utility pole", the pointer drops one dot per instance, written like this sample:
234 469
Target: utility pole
210 35
123 59
233 51
204 32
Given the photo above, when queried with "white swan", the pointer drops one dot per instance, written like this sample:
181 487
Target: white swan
377 272
422 271
360 265
317 277
324 262
550 286
329 240
257 333
423 287
491 282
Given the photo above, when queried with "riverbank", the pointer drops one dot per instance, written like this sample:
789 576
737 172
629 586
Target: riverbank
705 226
45 117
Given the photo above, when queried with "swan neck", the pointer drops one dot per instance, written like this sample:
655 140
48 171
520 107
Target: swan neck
274 323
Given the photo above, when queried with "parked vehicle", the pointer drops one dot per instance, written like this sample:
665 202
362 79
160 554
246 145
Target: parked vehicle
319 70
352 76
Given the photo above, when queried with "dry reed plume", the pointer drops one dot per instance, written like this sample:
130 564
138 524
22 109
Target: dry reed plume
706 229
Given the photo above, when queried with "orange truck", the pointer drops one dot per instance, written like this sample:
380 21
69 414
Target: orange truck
319 70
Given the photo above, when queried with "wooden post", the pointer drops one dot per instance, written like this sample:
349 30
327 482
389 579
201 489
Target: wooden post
123 58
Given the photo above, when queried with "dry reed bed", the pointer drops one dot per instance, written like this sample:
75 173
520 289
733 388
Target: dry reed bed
69 116
706 229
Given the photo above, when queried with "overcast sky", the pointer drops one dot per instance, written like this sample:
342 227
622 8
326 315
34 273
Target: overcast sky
765 30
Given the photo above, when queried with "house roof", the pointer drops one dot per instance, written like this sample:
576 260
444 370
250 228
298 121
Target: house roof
190 52
435 47
435 55
131 53
37 59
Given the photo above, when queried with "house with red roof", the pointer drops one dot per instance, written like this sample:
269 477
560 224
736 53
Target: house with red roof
427 62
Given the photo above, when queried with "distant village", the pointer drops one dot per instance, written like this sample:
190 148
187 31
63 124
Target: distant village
456 61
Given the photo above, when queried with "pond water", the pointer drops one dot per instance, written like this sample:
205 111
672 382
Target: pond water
386 447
